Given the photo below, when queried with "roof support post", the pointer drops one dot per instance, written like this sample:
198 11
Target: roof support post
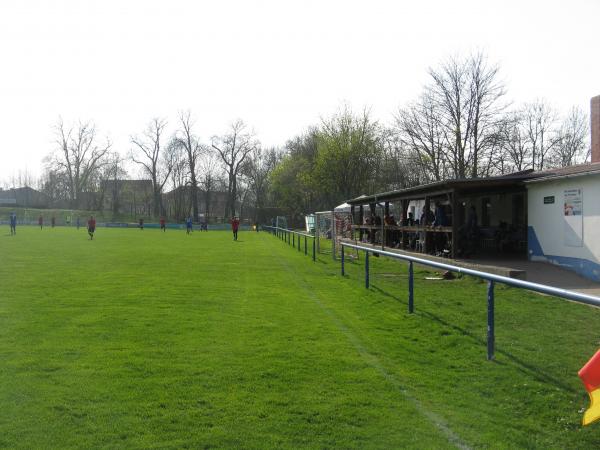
454 223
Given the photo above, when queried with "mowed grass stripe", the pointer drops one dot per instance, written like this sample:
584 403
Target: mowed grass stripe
372 360
142 339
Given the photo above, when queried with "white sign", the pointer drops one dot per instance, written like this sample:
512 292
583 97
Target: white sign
573 213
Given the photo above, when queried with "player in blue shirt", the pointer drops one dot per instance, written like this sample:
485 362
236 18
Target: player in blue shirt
13 223
188 224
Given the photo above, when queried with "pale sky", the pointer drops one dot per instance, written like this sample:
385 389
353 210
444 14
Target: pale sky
278 65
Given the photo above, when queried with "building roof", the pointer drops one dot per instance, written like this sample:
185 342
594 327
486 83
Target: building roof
443 187
566 172
511 180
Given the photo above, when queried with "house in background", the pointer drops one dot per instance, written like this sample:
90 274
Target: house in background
128 197
25 197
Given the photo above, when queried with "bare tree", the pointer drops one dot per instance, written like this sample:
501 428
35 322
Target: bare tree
155 161
180 205
233 148
421 131
571 140
540 120
485 93
210 179
466 94
79 157
402 167
185 138
22 178
111 182
257 171
517 151
55 185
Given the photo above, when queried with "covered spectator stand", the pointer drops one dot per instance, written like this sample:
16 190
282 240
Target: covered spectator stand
454 218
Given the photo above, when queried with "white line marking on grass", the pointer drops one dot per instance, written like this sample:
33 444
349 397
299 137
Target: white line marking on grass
374 362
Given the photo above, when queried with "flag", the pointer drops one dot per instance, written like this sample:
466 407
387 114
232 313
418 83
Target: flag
590 375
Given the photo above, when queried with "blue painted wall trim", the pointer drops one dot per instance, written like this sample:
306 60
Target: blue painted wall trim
584 267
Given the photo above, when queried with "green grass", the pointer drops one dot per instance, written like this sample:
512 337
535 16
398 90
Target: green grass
142 339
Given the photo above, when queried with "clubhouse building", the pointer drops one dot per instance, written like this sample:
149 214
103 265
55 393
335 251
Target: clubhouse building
551 216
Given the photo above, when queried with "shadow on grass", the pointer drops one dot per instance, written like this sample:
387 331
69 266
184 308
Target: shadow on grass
527 368
387 294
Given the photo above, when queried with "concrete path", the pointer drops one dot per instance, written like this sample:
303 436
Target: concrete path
536 272
545 273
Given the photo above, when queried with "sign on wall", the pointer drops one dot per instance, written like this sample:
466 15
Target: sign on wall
573 213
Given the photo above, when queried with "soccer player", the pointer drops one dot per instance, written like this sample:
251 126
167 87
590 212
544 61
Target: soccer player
91 227
188 225
163 225
13 223
141 224
235 223
41 222
53 221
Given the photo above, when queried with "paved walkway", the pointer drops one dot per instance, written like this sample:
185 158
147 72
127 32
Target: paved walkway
536 272
544 273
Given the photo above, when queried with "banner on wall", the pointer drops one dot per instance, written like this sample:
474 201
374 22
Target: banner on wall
573 212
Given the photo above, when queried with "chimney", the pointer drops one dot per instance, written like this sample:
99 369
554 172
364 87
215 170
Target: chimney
595 127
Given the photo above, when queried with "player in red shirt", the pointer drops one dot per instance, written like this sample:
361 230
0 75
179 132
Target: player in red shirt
163 225
91 227
235 224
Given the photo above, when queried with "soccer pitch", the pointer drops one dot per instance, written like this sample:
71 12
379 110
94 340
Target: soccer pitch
143 339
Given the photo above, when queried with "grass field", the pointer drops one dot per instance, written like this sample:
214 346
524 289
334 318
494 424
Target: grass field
142 339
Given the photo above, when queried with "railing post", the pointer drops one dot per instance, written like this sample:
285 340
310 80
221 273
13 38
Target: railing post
342 259
367 270
490 324
305 245
293 239
299 238
314 250
411 298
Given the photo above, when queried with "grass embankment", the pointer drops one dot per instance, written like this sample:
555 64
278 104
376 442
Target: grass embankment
149 339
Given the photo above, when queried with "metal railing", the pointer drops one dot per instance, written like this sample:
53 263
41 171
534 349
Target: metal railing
490 277
292 237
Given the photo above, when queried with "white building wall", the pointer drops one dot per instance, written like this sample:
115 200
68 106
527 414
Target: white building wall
547 240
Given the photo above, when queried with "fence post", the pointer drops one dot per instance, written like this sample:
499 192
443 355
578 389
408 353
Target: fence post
490 327
367 270
342 250
314 250
299 238
411 298
305 246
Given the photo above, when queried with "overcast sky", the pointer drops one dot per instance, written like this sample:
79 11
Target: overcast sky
278 65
